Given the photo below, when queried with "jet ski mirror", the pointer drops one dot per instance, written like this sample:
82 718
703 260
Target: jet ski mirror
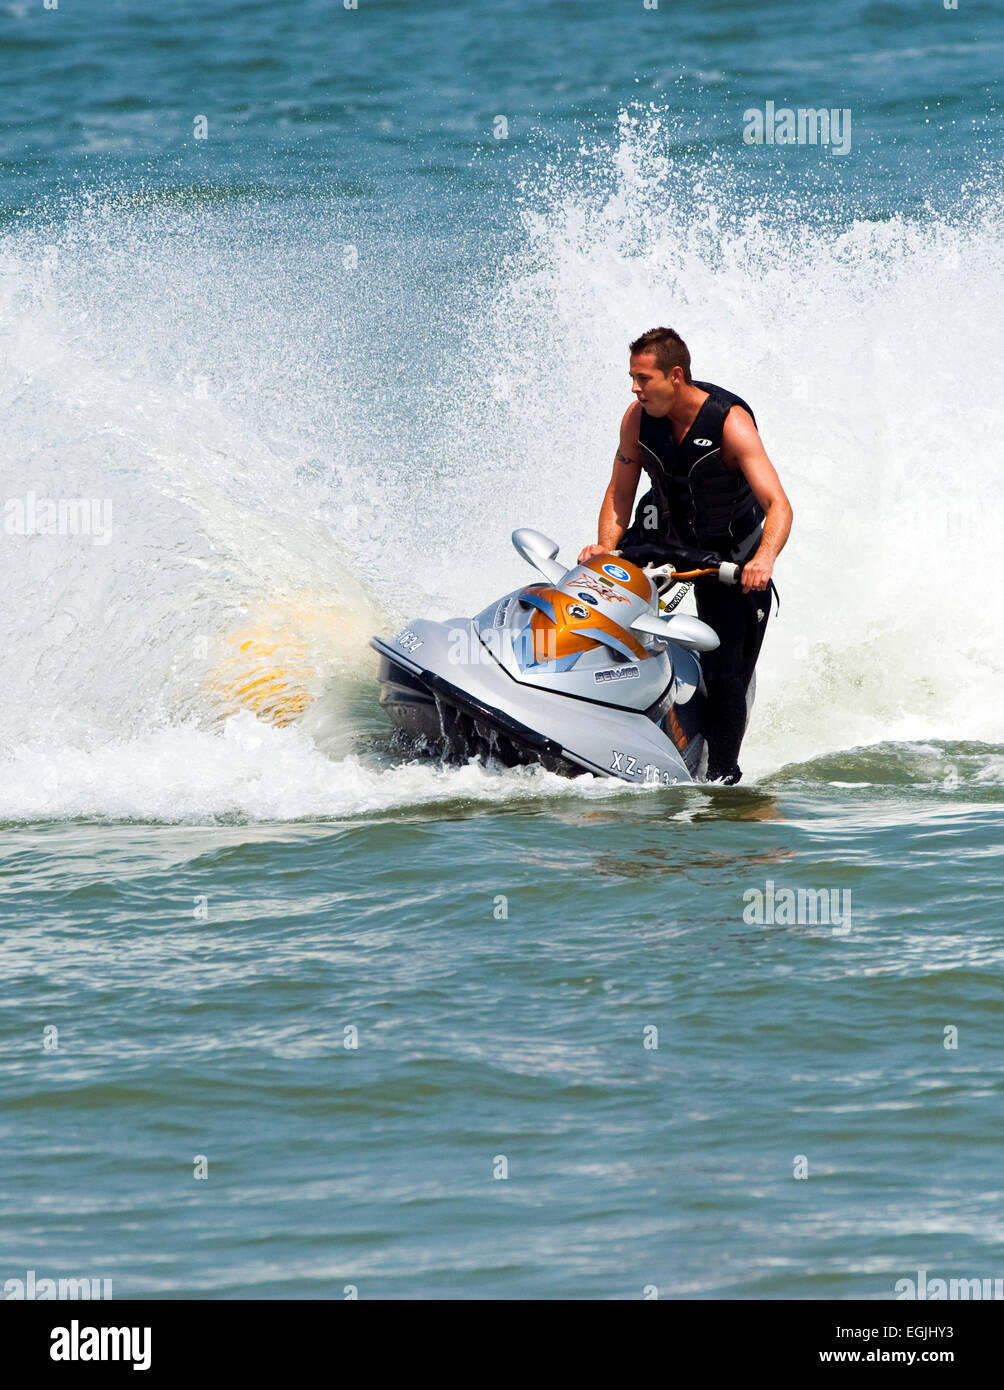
539 550
682 629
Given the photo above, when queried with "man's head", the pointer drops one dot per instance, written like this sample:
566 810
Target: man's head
660 369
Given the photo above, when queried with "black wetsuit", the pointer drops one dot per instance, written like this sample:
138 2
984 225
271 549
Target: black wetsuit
697 514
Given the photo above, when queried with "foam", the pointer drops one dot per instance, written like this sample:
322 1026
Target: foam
226 395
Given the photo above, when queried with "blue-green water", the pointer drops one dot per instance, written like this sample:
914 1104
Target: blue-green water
471 1032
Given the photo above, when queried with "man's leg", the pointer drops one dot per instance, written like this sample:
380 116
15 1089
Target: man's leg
740 621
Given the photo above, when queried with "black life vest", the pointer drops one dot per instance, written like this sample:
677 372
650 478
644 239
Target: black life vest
700 501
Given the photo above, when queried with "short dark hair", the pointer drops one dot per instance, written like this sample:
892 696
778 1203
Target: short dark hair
668 349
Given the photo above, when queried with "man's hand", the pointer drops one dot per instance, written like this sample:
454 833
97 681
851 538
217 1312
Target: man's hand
757 573
589 551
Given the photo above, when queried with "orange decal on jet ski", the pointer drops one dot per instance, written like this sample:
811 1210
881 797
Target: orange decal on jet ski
607 590
622 572
677 732
572 628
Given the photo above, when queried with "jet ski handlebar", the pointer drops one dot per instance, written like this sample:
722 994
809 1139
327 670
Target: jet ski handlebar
664 575
541 552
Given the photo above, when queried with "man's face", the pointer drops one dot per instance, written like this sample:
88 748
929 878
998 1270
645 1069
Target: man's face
656 391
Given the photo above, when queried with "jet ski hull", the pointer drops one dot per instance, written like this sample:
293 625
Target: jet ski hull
477 710
432 712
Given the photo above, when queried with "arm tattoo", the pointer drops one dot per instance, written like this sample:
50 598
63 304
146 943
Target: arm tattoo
623 458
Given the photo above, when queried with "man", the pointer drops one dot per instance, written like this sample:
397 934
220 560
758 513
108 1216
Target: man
715 496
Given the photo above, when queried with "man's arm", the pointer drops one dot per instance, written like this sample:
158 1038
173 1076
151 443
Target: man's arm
742 448
615 513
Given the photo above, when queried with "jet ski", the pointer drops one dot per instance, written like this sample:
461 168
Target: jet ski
585 670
